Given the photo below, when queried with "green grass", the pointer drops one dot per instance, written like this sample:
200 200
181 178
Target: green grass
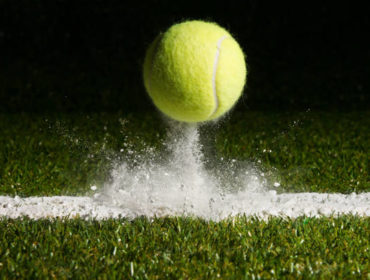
173 248
66 154
323 152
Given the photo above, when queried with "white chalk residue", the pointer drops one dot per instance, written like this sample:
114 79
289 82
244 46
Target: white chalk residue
181 184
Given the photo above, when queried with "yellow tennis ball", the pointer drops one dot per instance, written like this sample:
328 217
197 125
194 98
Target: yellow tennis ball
195 71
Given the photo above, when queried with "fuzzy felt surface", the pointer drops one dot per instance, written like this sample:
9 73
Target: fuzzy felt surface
195 71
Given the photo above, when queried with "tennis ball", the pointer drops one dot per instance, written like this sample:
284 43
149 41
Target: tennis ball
195 71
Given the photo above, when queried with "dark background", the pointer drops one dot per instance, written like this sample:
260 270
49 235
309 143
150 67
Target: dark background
86 56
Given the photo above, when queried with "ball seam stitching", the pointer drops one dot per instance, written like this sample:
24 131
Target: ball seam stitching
215 65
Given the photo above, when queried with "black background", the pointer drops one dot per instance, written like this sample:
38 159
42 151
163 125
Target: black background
86 56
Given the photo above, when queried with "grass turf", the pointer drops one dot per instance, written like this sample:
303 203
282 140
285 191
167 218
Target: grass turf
310 151
323 152
173 248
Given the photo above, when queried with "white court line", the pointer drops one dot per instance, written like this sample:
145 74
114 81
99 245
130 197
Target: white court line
262 205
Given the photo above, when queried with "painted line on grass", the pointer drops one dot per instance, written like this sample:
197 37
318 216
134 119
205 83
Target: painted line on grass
262 205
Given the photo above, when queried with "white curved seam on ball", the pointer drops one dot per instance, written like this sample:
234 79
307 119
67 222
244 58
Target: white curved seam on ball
155 50
215 64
